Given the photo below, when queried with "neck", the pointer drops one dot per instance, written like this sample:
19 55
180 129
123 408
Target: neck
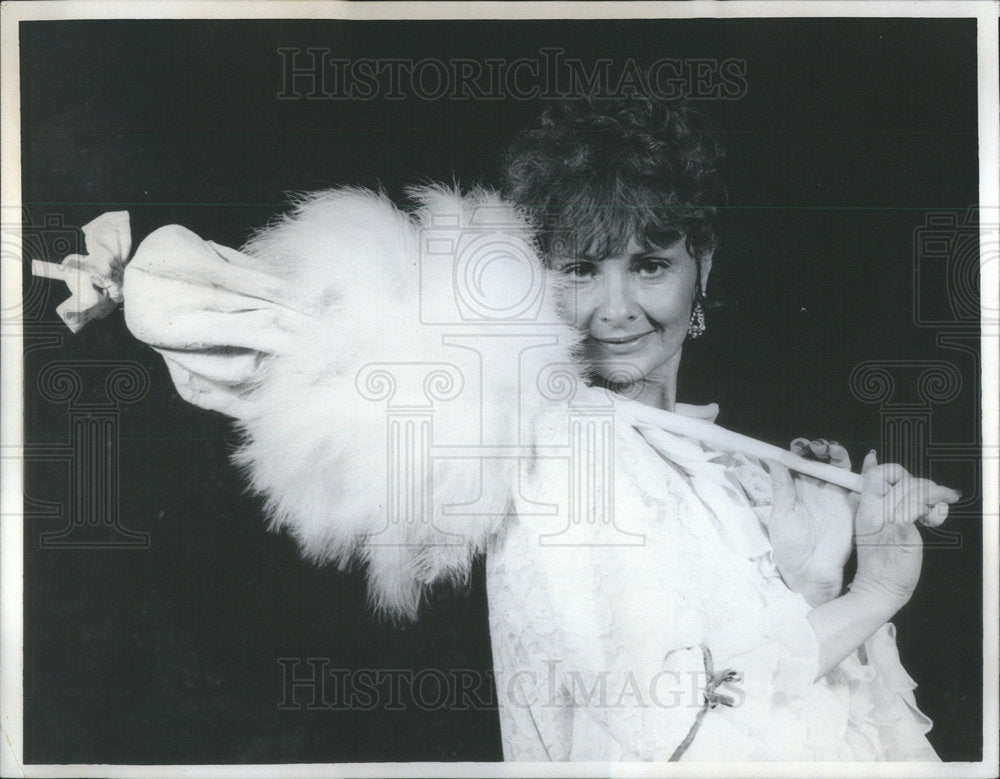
652 393
658 388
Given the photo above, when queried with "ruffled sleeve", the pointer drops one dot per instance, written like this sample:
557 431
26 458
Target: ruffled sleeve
884 721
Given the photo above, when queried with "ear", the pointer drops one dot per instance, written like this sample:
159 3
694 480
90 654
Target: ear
704 270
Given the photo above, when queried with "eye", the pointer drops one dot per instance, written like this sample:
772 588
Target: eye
579 270
651 267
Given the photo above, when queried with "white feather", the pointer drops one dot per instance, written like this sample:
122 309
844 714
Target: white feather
316 445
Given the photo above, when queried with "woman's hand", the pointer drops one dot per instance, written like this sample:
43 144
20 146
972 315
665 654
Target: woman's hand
890 550
811 524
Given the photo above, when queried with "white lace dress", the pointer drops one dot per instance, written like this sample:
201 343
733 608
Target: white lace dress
599 645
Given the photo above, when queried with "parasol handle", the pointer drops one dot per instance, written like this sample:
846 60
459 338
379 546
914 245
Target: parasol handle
728 441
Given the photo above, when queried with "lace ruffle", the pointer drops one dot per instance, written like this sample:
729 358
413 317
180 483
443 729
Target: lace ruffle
884 722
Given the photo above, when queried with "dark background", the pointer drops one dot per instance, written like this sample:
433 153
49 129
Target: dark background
850 133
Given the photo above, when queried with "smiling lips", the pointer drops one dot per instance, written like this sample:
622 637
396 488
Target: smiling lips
624 343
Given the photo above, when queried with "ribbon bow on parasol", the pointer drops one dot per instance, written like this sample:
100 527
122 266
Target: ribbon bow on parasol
94 279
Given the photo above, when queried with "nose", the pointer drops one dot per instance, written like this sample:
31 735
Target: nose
617 308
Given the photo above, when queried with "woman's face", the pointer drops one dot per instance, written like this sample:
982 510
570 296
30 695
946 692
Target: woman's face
633 309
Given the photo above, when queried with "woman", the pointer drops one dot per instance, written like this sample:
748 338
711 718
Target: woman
633 189
650 599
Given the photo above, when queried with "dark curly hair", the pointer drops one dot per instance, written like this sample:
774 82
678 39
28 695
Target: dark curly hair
598 172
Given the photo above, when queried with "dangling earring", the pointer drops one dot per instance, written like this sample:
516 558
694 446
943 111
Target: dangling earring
697 325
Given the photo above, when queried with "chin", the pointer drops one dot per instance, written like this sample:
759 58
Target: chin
621 374
625 371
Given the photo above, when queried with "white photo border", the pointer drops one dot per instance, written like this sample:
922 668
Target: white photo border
11 435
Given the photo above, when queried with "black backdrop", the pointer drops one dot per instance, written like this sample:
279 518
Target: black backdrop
850 133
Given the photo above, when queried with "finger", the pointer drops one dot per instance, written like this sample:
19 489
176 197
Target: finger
936 516
914 508
907 489
869 462
783 489
800 446
820 449
877 480
924 489
839 456
915 499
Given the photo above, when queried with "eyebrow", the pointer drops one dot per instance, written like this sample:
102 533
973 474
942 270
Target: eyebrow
658 254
